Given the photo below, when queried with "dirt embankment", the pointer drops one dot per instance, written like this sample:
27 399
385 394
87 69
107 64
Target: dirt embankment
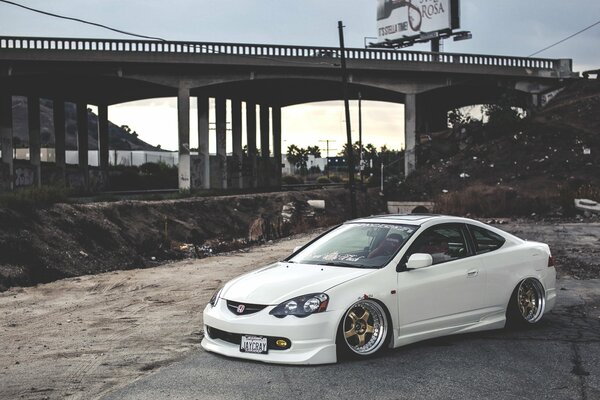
538 164
69 240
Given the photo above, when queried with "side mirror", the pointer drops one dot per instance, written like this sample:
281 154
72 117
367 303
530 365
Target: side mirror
419 260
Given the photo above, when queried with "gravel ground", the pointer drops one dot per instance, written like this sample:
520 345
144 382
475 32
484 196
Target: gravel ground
85 337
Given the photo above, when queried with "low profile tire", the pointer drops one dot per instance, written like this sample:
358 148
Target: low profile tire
527 304
364 330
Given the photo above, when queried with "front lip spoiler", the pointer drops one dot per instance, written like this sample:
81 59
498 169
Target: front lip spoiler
309 353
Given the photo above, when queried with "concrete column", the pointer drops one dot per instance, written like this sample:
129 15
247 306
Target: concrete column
276 116
236 137
203 135
221 124
33 116
6 136
82 141
410 134
251 141
58 111
183 129
103 138
265 153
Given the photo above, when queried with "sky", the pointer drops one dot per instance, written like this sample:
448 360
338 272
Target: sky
508 27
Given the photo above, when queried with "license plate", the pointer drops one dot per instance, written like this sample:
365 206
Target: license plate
254 344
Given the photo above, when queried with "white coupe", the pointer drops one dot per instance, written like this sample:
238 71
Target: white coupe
381 282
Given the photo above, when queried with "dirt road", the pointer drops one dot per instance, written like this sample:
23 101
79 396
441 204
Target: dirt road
83 337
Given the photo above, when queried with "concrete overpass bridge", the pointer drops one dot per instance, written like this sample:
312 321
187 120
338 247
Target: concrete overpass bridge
105 72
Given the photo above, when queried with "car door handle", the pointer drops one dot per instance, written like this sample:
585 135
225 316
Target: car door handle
472 273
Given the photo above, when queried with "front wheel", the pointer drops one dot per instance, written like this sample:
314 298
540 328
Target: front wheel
364 329
527 303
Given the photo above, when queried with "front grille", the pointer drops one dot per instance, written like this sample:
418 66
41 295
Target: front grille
236 338
248 308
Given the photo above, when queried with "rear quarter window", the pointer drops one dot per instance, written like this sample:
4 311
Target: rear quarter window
485 240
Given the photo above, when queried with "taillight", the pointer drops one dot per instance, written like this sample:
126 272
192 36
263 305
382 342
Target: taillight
550 261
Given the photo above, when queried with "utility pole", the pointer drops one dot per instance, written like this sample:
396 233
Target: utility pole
327 141
348 126
360 146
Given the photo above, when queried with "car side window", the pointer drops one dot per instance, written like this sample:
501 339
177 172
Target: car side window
443 242
485 240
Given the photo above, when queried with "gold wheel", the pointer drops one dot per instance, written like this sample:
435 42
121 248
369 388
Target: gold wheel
531 300
364 327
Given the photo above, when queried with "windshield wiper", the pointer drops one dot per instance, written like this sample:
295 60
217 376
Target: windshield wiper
342 264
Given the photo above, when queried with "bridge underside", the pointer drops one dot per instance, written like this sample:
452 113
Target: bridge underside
428 85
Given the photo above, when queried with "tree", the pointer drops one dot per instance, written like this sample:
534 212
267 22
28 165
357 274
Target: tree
298 157
314 151
128 130
245 150
502 117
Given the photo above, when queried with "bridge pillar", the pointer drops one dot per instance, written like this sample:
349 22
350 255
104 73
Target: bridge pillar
236 137
183 127
410 134
276 116
58 113
203 134
6 135
103 142
83 142
251 141
221 124
265 152
33 117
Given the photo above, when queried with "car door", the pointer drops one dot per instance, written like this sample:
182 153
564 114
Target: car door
448 293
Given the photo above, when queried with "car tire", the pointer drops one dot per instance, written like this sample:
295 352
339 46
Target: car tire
527 304
365 330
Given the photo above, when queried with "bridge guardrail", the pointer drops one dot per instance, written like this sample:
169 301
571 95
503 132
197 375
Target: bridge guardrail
271 51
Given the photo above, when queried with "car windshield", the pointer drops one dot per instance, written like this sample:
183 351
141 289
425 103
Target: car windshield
356 245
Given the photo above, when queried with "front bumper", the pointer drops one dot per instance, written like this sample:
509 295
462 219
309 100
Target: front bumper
312 338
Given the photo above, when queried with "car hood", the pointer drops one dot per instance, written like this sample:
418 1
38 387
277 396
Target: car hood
282 281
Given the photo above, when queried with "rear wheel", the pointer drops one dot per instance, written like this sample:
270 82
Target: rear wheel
527 303
364 330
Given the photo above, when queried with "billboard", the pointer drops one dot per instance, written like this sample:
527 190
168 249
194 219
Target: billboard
404 19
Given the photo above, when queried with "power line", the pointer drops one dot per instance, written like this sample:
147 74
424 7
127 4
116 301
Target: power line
565 39
149 37
82 21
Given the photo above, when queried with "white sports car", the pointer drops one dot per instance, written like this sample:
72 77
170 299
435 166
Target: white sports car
381 282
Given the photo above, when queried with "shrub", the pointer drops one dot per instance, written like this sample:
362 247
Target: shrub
335 179
323 179
487 201
291 180
31 198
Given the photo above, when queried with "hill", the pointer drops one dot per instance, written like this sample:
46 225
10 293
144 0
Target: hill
119 138
515 167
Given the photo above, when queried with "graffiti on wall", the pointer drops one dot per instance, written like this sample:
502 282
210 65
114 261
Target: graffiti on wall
24 177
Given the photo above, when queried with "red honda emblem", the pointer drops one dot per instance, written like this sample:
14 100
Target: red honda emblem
241 308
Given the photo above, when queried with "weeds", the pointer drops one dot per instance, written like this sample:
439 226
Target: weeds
485 201
31 198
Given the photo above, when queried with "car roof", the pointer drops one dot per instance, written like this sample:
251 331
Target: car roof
409 219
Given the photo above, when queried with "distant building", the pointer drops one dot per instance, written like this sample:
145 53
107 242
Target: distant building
289 169
115 157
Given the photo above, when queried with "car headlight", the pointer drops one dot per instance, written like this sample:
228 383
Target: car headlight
215 297
302 306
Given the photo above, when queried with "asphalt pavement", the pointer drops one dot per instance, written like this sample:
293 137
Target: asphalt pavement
559 359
